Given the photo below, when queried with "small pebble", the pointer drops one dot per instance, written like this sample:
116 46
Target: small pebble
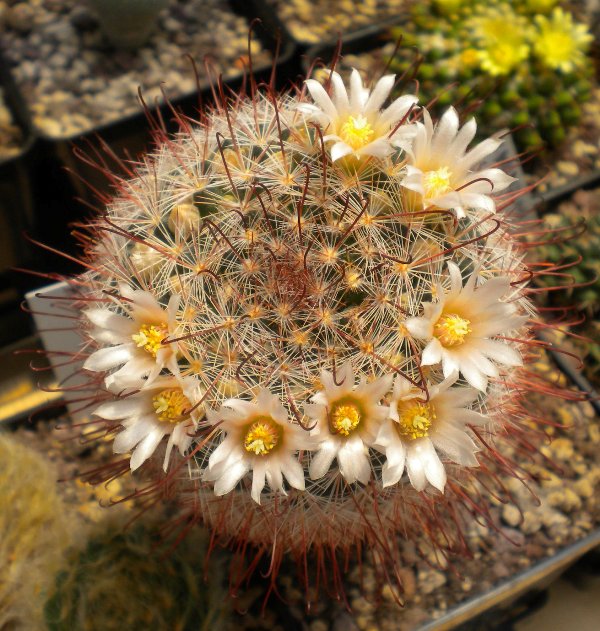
430 580
511 515
20 17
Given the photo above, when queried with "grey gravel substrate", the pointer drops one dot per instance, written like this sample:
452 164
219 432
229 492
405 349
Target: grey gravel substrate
73 81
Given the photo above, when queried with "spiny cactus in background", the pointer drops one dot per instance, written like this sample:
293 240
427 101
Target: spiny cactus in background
306 318
35 532
572 249
120 581
527 63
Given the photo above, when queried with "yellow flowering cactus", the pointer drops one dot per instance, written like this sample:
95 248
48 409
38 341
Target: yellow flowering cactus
526 63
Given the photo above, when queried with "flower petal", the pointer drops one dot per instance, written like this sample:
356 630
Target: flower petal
232 474
380 93
354 462
107 358
127 439
421 328
258 480
397 110
415 468
432 353
321 461
339 150
145 448
321 98
340 96
293 472
106 319
500 352
445 132
478 153
122 408
473 375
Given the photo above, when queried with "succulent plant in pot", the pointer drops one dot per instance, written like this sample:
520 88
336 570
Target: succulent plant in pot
307 319
532 75
127 23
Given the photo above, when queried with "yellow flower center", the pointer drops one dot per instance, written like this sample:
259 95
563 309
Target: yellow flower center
451 329
149 337
356 132
436 183
415 420
345 418
171 405
262 436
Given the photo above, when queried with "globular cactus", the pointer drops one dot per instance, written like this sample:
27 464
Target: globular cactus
145 589
532 75
318 301
33 544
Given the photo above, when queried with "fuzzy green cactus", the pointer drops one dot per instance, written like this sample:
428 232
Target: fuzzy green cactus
526 62
33 523
120 580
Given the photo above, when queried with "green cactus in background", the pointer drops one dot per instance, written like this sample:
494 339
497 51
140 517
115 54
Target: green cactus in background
567 222
35 530
124 579
526 62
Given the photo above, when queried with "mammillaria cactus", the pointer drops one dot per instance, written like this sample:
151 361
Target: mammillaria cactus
533 75
318 301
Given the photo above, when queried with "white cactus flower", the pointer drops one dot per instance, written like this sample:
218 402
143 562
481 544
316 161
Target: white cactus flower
444 173
133 341
354 122
166 407
260 438
348 419
419 428
459 328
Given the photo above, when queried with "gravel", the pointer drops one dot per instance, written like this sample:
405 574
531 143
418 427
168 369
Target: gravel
74 81
312 21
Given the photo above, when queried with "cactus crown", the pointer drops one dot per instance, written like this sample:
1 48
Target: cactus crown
317 300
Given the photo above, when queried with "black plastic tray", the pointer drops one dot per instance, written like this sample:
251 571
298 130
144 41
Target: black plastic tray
16 215
268 30
263 9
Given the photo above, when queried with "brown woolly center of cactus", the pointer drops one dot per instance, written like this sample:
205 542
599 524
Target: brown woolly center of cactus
262 436
171 405
415 420
437 182
451 329
149 337
345 417
292 281
356 132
